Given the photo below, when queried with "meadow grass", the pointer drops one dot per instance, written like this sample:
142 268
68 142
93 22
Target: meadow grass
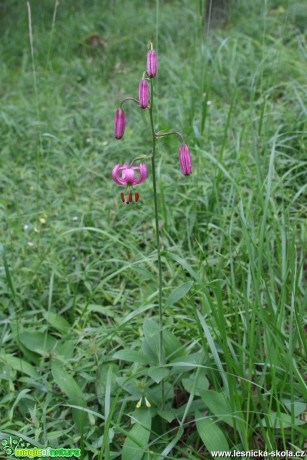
79 273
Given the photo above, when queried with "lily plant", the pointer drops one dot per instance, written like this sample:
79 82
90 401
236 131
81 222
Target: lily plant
129 176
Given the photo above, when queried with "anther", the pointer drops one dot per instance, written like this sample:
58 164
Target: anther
136 197
122 197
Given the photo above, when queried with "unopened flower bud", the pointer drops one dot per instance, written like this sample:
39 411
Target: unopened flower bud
151 63
143 94
119 124
185 160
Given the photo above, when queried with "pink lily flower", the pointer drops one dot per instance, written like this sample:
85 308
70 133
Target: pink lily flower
125 176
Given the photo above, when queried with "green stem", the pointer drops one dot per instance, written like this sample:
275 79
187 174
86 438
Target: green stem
154 182
175 133
129 98
143 157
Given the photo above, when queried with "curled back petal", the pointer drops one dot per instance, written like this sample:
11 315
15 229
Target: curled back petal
143 174
115 176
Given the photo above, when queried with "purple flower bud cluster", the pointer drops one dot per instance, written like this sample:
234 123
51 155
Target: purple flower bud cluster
143 99
129 175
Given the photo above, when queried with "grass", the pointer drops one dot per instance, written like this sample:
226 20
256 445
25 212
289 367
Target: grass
78 277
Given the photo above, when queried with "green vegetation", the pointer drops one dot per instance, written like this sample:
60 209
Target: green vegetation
78 269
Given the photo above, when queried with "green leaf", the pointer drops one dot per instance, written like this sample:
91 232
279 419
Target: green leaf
179 292
131 356
144 273
211 434
153 394
137 439
172 346
131 386
298 406
185 266
7 271
174 439
102 309
71 389
218 405
66 382
201 384
23 394
158 373
214 350
186 363
150 327
57 322
102 382
39 342
150 347
6 372
150 344
281 420
20 365
168 414
65 349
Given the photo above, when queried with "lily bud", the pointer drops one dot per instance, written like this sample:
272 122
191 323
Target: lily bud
119 124
185 160
143 94
151 63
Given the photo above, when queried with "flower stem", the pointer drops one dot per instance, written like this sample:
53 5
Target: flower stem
129 98
143 157
175 133
161 351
